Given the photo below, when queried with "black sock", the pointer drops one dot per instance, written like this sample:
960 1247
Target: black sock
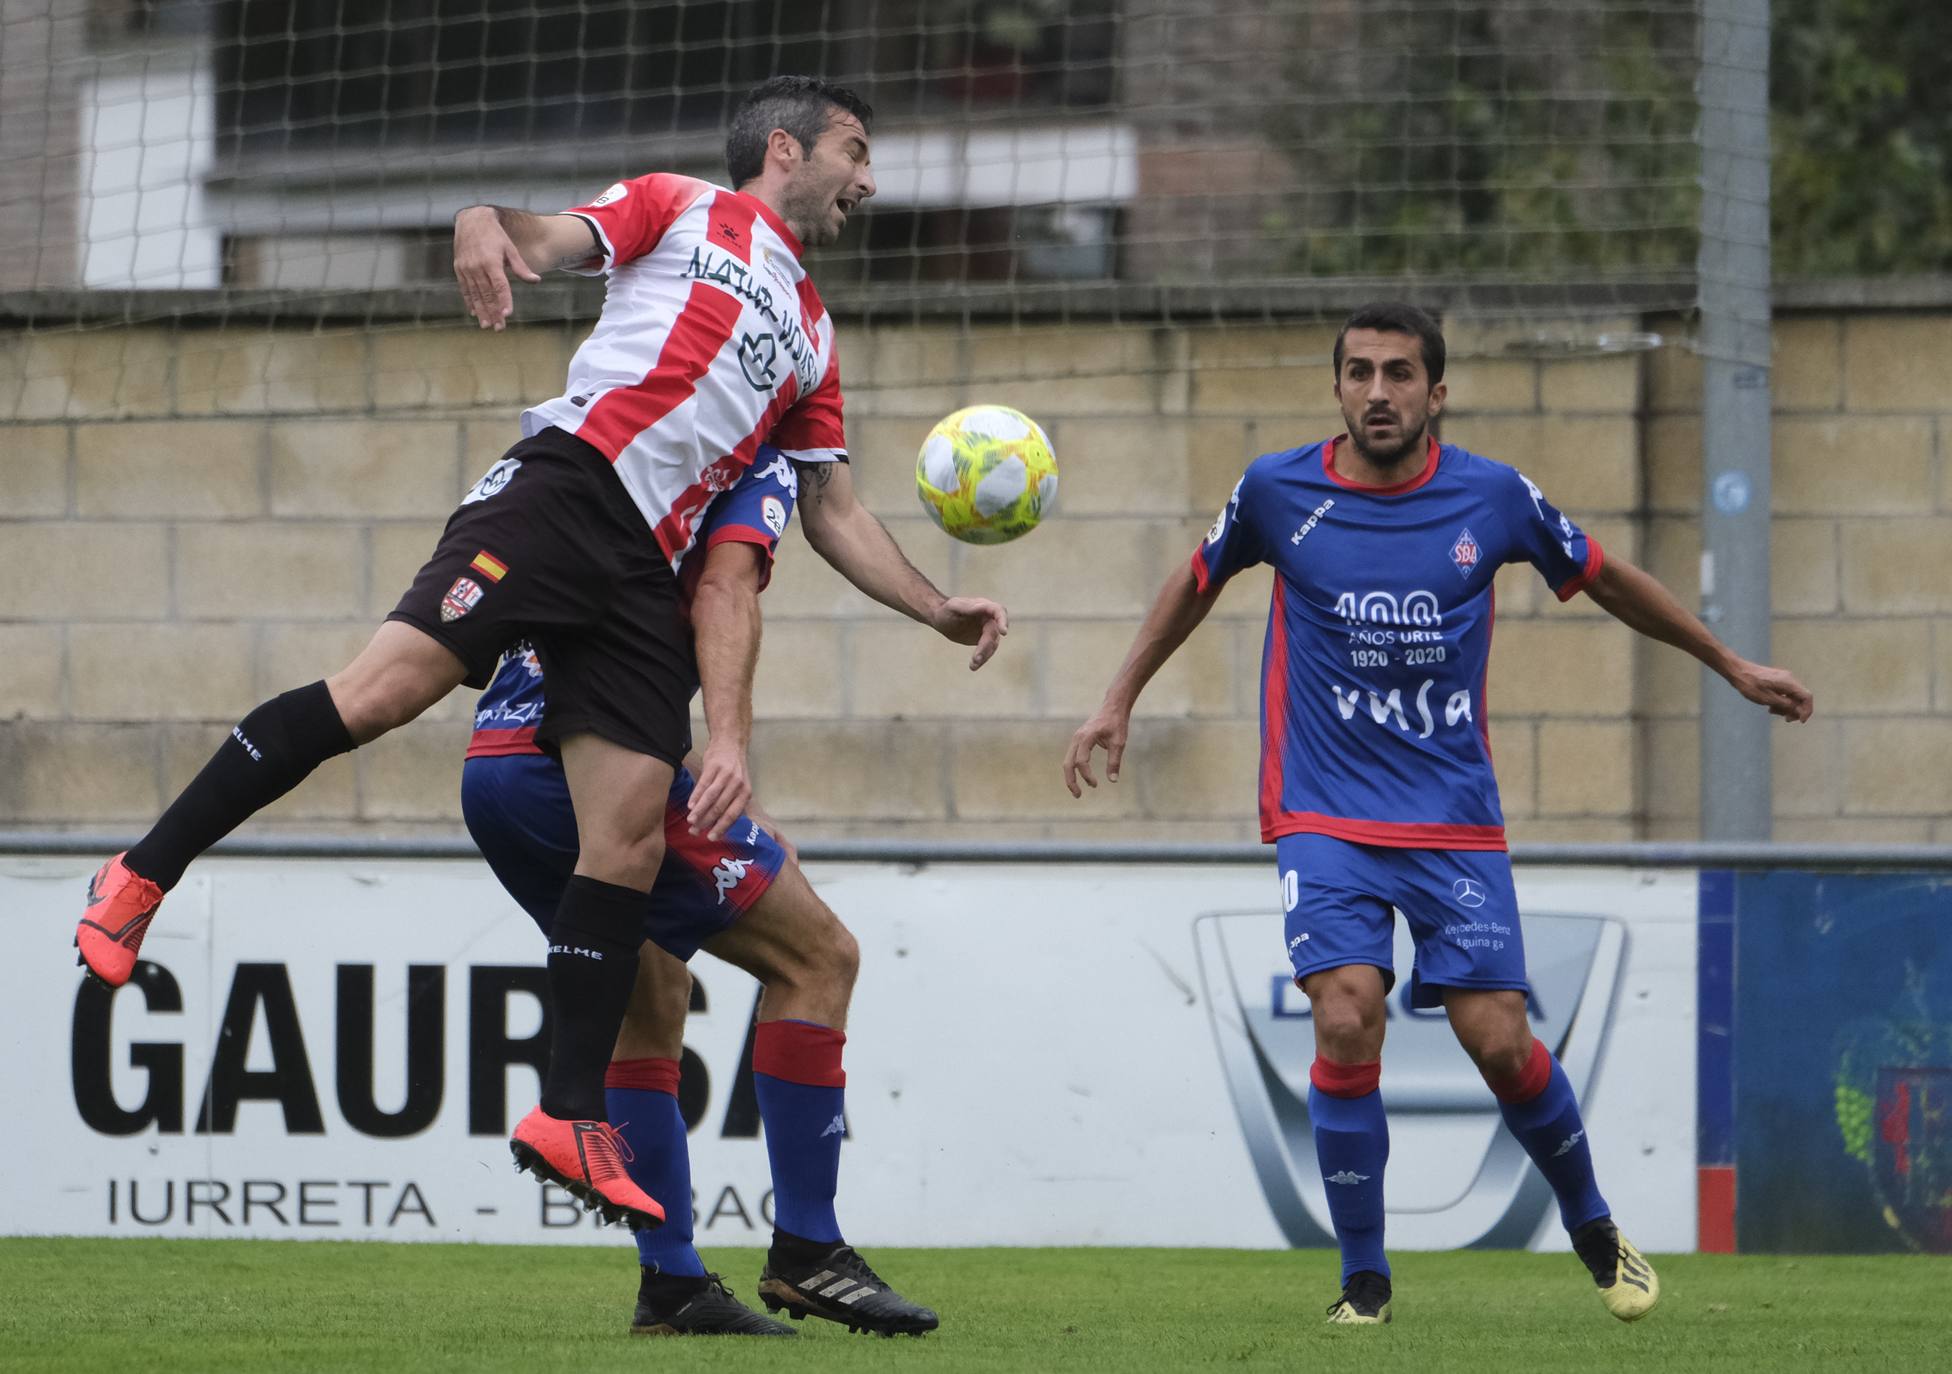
793 1249
268 753
664 1287
593 944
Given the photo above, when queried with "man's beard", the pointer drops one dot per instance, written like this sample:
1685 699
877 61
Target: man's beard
1383 458
811 220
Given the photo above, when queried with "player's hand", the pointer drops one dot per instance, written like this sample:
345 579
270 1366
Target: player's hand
1107 731
723 791
766 823
1776 688
484 255
972 620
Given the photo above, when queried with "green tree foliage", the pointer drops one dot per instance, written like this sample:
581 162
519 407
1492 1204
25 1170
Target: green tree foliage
1496 138
1861 92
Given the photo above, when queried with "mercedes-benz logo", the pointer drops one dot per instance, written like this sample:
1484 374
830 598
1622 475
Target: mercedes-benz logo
1467 892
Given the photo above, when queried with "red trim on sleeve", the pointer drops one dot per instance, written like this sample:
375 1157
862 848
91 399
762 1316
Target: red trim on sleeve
1345 1080
1531 1079
1385 834
1201 577
1395 488
1595 560
501 744
763 540
799 1052
742 534
1274 706
644 1075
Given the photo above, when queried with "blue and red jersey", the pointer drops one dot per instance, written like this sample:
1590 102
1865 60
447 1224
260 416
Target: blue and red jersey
754 511
1373 723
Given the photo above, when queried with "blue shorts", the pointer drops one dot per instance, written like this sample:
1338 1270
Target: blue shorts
517 809
1460 903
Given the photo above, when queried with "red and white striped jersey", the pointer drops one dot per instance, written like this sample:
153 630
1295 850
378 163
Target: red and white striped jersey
712 341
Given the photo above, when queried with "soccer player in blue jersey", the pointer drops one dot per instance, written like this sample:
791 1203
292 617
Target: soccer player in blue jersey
729 886
1376 784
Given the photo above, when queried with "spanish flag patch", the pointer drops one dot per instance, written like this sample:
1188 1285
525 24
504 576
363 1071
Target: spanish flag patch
489 566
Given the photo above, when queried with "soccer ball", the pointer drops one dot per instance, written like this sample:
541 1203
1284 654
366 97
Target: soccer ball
986 474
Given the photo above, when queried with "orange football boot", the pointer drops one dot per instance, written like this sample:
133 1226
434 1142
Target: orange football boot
120 906
587 1158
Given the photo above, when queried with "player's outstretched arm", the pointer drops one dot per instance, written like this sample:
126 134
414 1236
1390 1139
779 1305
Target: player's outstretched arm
1175 614
847 535
1638 600
725 632
491 241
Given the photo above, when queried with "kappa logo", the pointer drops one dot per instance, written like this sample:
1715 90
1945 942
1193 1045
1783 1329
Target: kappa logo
1348 1178
1570 1141
1298 941
492 481
838 1126
1466 553
461 598
729 874
782 472
1312 521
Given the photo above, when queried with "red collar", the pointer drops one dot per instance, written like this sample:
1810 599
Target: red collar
1394 489
778 225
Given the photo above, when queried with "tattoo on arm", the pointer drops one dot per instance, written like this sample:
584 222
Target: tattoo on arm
814 478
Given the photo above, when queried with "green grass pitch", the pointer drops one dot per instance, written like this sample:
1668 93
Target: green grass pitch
121 1305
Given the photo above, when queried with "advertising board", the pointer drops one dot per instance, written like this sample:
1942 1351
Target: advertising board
1039 1053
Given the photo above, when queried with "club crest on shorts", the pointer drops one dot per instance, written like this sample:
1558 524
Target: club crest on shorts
461 598
1465 553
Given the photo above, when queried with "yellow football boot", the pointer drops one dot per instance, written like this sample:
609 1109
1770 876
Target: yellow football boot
1364 1301
1627 1282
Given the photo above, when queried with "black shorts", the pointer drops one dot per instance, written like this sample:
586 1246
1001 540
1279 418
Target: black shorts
548 547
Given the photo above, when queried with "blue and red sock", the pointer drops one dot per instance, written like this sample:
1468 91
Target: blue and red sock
1541 1112
642 1098
797 1075
1352 1148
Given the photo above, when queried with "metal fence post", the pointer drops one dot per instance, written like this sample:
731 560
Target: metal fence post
1733 268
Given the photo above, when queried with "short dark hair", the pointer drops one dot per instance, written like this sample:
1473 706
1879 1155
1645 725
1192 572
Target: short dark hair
797 104
1398 317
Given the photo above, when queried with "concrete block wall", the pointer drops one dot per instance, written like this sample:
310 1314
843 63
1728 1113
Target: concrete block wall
1861 564
195 520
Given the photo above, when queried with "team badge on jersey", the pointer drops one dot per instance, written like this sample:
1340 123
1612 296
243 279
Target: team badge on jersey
1465 553
461 598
